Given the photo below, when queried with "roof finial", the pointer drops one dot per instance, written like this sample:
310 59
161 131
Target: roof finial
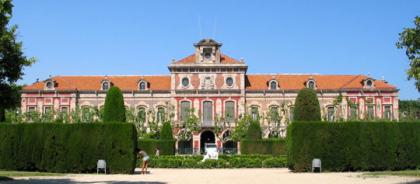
173 60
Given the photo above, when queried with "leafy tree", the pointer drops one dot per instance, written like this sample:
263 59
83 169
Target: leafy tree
410 41
166 131
409 110
114 110
188 126
254 131
307 106
12 60
241 128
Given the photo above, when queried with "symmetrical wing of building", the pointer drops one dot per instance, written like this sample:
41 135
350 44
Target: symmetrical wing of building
216 85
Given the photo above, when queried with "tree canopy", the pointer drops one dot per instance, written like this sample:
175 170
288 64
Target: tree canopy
12 60
114 110
307 106
410 41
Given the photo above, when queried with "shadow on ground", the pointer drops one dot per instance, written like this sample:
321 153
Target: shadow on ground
66 181
411 182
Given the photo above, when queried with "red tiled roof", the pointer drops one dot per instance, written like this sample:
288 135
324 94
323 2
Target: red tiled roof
253 82
94 82
224 59
323 82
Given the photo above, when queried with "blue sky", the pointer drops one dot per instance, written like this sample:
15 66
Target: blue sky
87 37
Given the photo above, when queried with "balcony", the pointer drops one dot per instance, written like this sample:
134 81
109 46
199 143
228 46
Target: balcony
206 124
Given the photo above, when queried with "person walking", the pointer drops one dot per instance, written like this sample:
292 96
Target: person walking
145 159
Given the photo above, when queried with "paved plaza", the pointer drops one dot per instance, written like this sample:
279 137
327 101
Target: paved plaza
230 176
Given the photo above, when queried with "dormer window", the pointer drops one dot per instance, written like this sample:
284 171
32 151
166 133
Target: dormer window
369 83
273 85
49 85
207 52
311 84
105 85
142 85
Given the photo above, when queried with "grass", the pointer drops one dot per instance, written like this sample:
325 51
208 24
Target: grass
7 174
415 173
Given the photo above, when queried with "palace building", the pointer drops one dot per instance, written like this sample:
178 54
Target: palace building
216 85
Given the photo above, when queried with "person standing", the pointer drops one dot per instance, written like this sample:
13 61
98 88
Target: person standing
145 159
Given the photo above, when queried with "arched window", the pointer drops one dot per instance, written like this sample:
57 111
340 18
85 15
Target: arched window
273 85
161 114
311 84
141 114
254 112
105 85
49 85
369 83
142 85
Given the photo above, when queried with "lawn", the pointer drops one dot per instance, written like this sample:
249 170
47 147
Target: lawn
415 173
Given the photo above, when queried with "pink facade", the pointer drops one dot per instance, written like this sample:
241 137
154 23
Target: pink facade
215 85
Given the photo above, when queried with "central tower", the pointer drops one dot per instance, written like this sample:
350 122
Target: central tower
207 51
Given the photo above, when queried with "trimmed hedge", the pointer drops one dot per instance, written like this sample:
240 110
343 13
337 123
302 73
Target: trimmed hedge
65 148
166 147
264 146
254 131
224 161
350 146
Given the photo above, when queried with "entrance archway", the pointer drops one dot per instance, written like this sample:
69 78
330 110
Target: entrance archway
206 136
229 147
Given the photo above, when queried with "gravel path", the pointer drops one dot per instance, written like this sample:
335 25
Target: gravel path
230 176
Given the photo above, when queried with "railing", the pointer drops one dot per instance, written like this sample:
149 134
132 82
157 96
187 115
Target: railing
185 151
229 151
207 124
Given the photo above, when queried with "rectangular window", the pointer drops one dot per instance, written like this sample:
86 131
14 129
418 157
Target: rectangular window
388 112
64 109
230 111
274 114
353 112
370 112
185 110
330 114
31 108
47 109
207 112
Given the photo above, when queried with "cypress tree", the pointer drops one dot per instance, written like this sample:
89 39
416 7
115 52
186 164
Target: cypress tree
114 110
307 106
254 131
166 132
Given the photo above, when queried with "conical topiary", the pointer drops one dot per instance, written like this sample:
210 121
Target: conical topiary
114 110
307 106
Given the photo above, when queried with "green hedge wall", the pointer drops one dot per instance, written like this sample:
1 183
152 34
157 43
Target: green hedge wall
67 148
264 146
351 146
224 161
166 147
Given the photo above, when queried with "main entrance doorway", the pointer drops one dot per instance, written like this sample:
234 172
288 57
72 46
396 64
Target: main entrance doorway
206 137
